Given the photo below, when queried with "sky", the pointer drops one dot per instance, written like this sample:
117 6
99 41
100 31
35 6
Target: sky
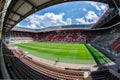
77 12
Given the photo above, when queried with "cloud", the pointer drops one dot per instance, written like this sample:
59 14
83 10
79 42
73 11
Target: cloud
46 20
89 18
81 20
18 24
84 9
69 21
36 21
103 7
33 26
98 6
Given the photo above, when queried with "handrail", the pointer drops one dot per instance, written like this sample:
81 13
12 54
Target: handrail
114 72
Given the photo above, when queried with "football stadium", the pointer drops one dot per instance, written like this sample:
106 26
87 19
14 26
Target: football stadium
60 45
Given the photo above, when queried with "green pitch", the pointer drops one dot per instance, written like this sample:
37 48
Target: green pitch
76 53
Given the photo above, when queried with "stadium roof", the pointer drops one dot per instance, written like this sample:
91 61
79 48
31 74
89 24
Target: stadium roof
20 9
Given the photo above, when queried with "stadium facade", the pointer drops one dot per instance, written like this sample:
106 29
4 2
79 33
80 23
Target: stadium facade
103 36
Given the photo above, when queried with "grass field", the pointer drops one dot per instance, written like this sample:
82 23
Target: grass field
77 53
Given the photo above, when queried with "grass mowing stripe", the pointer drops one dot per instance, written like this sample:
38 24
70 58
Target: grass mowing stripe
99 57
86 54
84 50
49 45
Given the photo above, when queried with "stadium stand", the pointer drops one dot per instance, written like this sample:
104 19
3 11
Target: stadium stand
115 44
106 41
21 37
63 37
110 13
18 70
103 75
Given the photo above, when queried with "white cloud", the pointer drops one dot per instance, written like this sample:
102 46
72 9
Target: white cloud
69 21
103 7
33 26
46 20
89 18
84 9
18 24
81 20
98 6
